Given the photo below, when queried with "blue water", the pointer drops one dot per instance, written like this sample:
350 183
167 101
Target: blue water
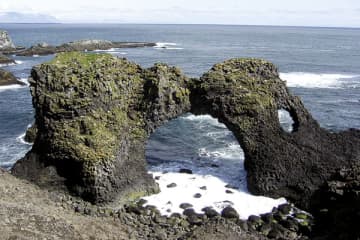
335 103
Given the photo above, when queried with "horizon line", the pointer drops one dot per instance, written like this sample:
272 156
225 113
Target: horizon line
209 24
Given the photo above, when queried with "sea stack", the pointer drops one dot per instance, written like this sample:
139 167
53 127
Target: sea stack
94 113
5 41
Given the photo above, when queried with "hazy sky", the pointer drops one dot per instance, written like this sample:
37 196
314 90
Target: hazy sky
255 12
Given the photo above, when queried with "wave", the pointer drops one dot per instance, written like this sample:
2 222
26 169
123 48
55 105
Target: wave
24 80
19 62
167 45
321 80
11 87
21 139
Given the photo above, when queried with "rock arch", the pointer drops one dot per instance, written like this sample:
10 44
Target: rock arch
95 112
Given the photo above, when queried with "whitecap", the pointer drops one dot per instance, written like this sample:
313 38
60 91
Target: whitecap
19 62
10 87
7 64
36 55
318 80
167 45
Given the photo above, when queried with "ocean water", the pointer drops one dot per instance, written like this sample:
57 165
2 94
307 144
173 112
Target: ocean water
321 65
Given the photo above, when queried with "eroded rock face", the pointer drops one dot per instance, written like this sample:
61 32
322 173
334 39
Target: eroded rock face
93 116
5 41
95 112
245 95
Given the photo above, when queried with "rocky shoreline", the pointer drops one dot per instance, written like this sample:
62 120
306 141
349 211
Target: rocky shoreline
7 47
72 217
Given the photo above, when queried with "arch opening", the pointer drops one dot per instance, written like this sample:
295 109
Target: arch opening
286 121
198 163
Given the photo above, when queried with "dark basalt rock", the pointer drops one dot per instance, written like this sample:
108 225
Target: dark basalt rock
184 170
7 78
81 45
229 212
245 95
31 133
336 205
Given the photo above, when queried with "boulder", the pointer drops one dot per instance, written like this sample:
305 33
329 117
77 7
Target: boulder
5 41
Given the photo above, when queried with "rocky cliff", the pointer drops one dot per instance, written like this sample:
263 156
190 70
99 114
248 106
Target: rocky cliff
94 113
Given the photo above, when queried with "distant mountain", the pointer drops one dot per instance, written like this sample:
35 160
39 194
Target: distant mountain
16 17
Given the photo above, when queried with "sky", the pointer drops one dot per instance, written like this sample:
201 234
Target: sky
336 13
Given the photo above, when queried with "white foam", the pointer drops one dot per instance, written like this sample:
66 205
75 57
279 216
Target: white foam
10 87
21 139
285 119
167 45
314 80
36 55
204 118
169 199
19 62
24 80
7 64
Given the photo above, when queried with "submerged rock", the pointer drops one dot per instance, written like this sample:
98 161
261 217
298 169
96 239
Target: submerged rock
7 78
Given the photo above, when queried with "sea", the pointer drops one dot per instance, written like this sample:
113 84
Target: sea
320 65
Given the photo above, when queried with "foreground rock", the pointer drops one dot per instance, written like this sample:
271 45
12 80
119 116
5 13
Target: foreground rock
82 45
7 78
5 41
27 212
337 205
